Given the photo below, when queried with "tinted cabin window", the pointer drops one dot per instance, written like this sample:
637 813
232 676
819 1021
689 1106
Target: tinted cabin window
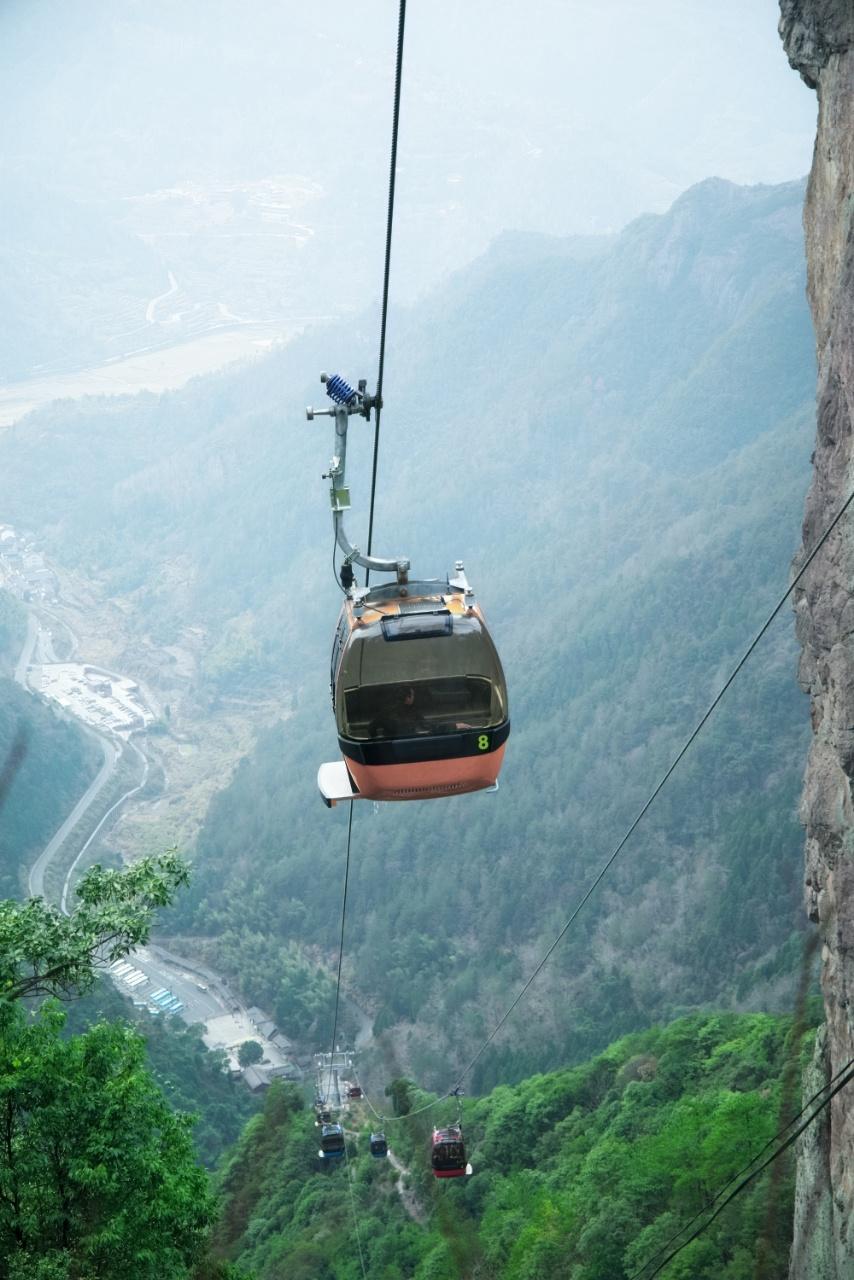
419 708
420 674
418 626
448 1155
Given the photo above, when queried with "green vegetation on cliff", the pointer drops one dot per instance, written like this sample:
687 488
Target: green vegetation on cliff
581 1174
97 1172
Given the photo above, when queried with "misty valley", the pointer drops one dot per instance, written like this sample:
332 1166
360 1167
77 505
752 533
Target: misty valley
585 1023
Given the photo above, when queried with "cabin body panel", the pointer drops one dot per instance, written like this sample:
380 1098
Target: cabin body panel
427 779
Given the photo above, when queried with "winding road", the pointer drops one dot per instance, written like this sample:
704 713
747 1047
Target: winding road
66 885
112 750
35 880
204 996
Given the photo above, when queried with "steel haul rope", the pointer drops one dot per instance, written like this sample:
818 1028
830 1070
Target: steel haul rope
340 948
386 269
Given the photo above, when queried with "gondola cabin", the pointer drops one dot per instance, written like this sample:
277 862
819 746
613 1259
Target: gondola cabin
379 1146
331 1142
419 695
354 1092
448 1153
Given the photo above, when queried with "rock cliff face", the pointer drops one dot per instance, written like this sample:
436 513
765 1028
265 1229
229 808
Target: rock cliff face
819 39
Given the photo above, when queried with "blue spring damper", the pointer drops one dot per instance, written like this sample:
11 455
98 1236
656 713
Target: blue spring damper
339 390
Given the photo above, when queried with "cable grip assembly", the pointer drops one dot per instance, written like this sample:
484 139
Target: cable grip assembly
346 401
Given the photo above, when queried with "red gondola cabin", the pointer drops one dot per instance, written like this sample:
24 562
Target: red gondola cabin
448 1154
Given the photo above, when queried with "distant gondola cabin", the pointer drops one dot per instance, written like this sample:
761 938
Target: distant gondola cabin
331 1141
448 1153
379 1145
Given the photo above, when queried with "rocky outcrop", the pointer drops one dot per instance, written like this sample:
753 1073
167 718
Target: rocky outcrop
813 31
819 40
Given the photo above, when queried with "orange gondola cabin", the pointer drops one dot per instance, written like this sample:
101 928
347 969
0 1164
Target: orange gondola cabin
419 694
418 691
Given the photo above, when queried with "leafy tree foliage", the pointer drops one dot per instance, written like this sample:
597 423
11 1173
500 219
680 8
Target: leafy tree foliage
192 1077
580 1174
97 1174
250 1051
43 952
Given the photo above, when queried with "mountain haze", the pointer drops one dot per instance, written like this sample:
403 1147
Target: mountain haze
617 401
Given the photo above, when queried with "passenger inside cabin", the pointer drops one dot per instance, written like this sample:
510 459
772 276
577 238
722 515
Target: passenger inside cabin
404 715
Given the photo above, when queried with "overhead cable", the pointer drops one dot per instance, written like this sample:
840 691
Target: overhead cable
340 951
741 1172
398 74
751 1177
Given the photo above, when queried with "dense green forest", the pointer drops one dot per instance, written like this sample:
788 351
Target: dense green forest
624 398
193 1078
583 1173
97 1172
665 510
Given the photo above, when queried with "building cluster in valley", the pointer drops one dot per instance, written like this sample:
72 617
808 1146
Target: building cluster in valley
232 1030
111 703
24 572
191 995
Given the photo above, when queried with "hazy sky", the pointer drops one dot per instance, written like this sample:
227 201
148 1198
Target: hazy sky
561 116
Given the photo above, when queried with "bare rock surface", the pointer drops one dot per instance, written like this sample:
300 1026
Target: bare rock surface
819 39
812 31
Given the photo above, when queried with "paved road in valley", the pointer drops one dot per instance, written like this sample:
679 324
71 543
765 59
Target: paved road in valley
35 880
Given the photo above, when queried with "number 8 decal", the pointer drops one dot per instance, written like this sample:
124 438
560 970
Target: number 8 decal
483 742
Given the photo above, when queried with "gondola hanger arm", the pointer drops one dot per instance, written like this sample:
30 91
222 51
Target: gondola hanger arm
347 402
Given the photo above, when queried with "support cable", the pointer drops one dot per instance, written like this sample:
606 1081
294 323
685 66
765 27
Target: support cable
353 1209
387 268
340 951
386 1120
659 787
741 1172
846 1079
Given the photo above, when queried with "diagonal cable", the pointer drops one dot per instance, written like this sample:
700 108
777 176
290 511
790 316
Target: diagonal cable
741 1172
695 733
846 1079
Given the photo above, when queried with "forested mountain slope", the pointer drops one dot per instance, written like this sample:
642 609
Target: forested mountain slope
615 438
50 761
583 1173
